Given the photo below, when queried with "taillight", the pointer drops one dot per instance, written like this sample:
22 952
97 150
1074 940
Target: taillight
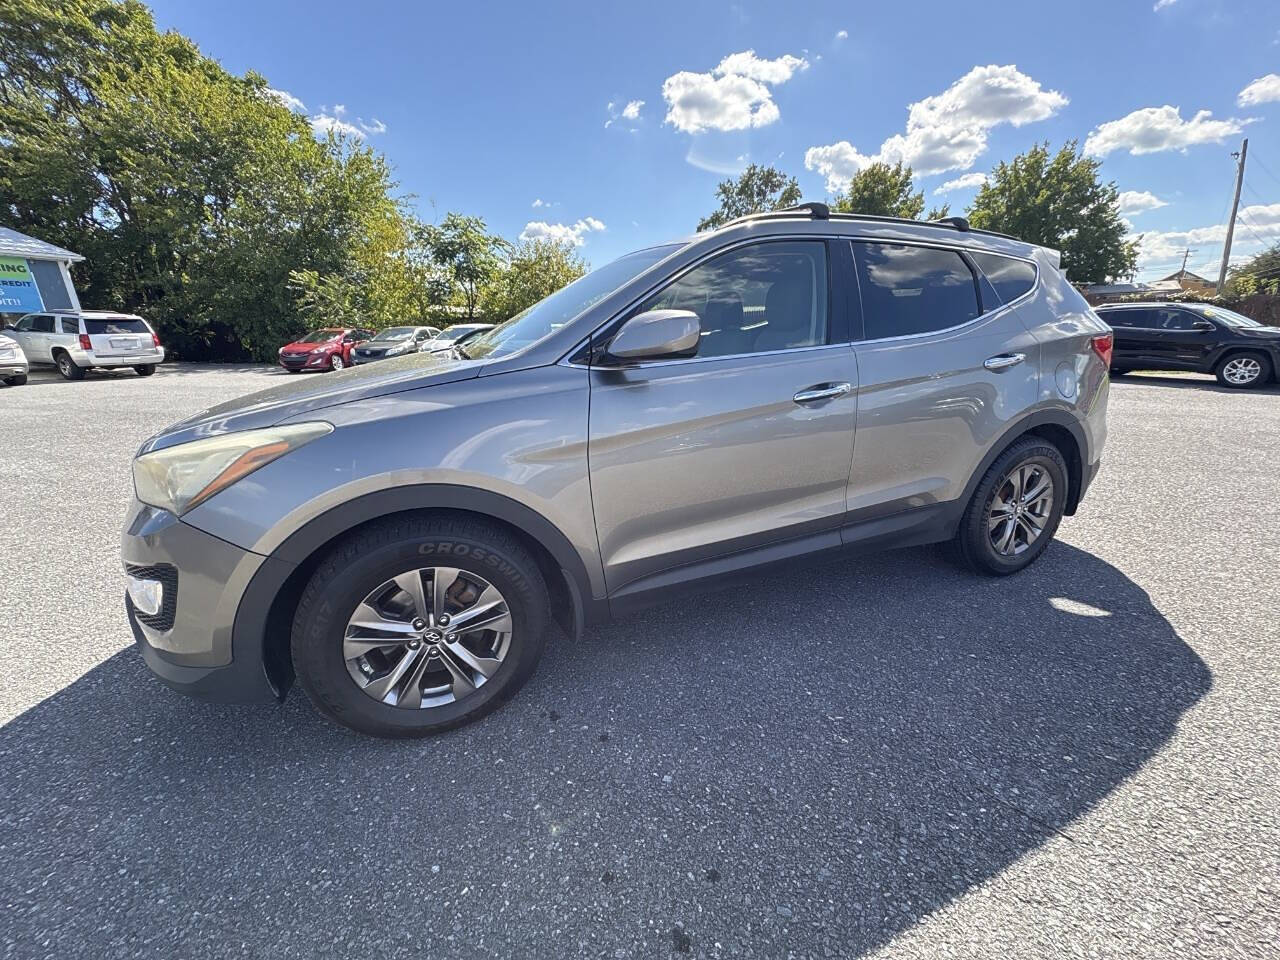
1102 345
85 345
155 339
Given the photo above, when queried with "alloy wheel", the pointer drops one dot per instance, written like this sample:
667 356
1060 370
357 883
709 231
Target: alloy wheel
1020 509
336 362
1241 370
427 637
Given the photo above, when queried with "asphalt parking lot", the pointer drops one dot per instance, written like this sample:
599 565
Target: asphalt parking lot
880 757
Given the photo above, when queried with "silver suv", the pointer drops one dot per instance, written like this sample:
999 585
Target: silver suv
398 537
82 340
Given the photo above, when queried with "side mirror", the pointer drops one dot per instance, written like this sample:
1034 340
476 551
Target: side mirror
1204 326
657 335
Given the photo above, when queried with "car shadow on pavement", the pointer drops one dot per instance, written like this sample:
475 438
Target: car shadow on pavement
810 762
1206 383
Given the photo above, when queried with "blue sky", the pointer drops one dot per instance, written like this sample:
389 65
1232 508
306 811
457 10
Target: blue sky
611 124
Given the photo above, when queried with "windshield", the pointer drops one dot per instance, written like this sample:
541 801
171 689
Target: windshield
1229 317
453 333
320 336
551 313
395 333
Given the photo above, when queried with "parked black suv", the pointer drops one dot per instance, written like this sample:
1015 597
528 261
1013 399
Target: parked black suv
1241 352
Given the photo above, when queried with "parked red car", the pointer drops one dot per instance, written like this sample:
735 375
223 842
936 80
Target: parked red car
328 348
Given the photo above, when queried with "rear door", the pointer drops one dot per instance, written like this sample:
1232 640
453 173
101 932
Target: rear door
1131 336
743 449
944 368
118 336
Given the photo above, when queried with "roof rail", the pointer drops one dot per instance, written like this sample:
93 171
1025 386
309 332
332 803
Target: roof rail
820 211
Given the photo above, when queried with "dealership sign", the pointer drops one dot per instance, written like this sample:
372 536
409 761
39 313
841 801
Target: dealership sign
18 293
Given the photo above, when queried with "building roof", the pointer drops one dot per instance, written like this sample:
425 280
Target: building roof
15 244
1120 289
1186 275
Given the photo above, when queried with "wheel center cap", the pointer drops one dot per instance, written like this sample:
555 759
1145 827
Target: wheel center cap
432 636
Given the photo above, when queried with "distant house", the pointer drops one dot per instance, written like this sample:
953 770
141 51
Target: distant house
1097 293
34 275
1186 280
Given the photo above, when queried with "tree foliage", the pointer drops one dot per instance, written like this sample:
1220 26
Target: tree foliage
534 269
757 189
1059 201
468 256
881 190
192 193
1259 274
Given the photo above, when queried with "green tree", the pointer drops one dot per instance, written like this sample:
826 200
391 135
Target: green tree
1059 201
468 255
1259 274
192 192
534 269
757 189
883 191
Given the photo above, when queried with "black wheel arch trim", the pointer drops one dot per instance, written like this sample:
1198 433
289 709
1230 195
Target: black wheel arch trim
261 631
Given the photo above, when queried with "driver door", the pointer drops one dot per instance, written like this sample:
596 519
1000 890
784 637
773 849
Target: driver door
741 452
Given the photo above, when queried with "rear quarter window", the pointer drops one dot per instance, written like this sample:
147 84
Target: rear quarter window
114 325
1011 278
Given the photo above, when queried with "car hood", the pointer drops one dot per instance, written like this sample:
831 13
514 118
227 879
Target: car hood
299 396
299 347
1262 333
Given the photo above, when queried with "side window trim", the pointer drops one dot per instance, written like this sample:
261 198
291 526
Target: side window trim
964 258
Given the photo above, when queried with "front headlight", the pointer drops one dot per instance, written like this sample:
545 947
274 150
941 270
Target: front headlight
179 478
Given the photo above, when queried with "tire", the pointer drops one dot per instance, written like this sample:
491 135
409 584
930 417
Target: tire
336 362
16 381
69 369
1234 366
145 369
973 545
369 562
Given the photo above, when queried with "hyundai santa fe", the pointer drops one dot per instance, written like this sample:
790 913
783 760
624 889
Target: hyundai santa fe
399 537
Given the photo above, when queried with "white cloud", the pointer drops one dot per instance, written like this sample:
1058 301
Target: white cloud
1263 90
1161 4
574 233
632 110
948 131
1153 129
539 202
842 34
324 123
1255 226
285 98
1139 201
966 182
735 95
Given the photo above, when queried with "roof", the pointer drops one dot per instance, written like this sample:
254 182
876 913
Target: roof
1116 289
15 244
1185 275
1151 303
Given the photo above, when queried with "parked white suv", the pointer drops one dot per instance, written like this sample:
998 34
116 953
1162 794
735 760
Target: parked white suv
75 341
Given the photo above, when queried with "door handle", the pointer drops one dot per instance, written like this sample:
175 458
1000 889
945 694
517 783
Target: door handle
1004 361
823 391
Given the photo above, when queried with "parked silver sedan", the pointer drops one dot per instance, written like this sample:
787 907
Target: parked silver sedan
13 362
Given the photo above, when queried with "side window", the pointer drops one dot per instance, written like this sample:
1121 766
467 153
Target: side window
768 296
42 324
1118 318
908 289
1175 320
25 324
1011 278
69 325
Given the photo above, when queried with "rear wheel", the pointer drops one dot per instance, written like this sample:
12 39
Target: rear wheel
1244 371
145 369
69 369
1015 510
17 380
416 626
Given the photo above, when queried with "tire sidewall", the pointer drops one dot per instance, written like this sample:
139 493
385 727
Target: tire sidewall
319 628
1263 376
979 543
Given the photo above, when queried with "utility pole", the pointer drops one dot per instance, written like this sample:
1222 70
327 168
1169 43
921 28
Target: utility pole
1235 205
1185 254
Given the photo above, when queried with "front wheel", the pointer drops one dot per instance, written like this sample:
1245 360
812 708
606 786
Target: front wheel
336 362
1015 510
1244 371
69 369
416 626
145 369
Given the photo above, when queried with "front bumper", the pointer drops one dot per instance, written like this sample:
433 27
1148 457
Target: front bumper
305 361
188 642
